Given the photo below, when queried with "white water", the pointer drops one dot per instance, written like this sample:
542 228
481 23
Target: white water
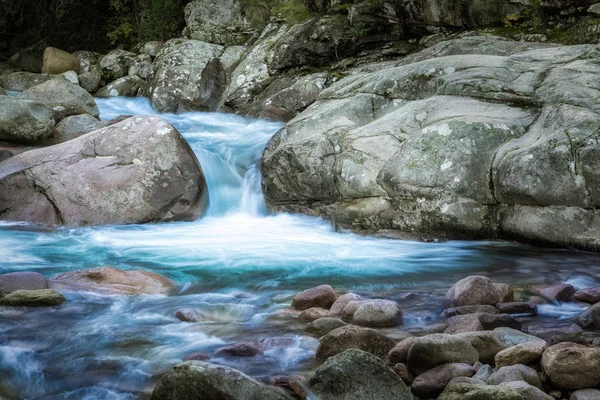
238 263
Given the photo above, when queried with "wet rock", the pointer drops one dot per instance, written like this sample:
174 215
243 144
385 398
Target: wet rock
188 315
430 351
524 353
464 323
465 310
321 296
116 64
199 380
314 313
514 373
57 61
244 349
518 308
468 391
357 375
112 280
399 353
590 318
572 366
54 93
197 356
14 281
589 295
353 337
342 302
140 170
557 334
378 313
402 371
585 394
323 326
24 121
431 383
493 321
72 127
558 293
33 298
473 290
505 292
291 386
526 390
141 66
127 86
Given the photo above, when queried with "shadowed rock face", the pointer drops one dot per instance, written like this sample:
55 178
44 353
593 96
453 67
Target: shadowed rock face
139 170
469 138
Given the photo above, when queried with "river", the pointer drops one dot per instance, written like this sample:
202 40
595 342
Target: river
240 265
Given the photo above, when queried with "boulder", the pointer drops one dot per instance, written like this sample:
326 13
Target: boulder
314 313
321 296
585 394
557 334
505 292
431 383
493 321
518 308
353 337
141 66
468 391
127 86
152 48
116 64
199 380
72 127
88 60
5 154
55 93
430 351
464 323
57 61
378 313
221 22
524 353
243 349
342 302
357 375
473 290
402 371
71 76
528 391
558 293
20 81
112 280
572 366
139 170
399 353
323 326
589 295
515 373
487 344
90 80
33 298
24 121
14 281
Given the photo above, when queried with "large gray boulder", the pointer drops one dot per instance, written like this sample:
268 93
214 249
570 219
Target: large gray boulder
127 86
61 93
357 375
457 143
221 21
72 127
199 380
433 350
116 64
24 121
180 82
572 366
139 170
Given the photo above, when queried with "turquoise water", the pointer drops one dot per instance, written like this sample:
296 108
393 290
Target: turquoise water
239 263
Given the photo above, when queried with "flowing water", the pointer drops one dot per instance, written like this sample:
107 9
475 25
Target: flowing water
241 266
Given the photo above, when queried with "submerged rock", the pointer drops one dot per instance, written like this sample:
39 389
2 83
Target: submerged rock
139 170
243 349
33 298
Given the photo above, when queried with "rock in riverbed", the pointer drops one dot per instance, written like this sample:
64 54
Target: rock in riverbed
33 298
14 281
24 121
353 337
321 296
56 92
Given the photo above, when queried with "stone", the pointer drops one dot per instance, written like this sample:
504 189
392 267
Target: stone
54 93
71 76
5 154
321 296
464 323
353 337
197 356
402 371
90 80
468 391
430 351
487 344
350 309
589 295
557 334
221 22
139 170
431 383
484 373
357 375
314 313
116 64
57 61
72 127
88 60
152 48
244 349
473 290
513 337
572 366
323 326
32 298
493 321
291 386
127 86
20 81
505 292
528 391
14 281
524 353
342 302
378 313
24 121
141 66
399 353
585 394
188 315
514 373
518 308
199 380
558 293
112 280
465 310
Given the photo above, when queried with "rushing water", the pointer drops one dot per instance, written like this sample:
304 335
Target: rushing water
238 264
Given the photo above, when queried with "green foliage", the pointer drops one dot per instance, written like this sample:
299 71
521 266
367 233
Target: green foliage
293 11
358 30
162 20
